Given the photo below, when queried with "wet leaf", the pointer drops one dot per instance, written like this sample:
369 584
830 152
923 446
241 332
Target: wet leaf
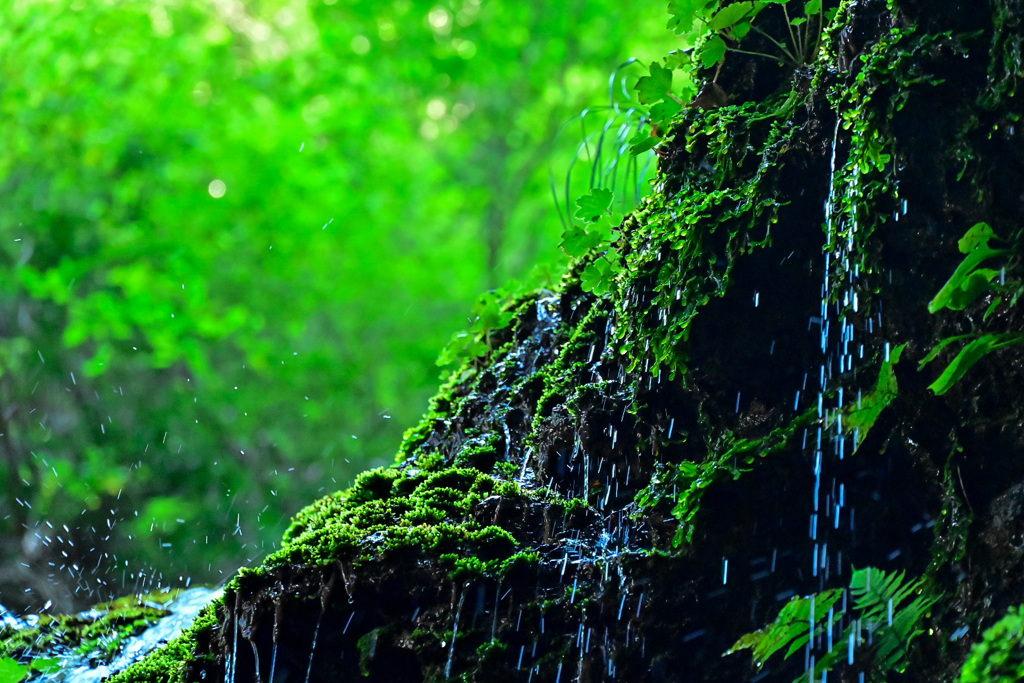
939 348
47 665
977 236
967 283
992 307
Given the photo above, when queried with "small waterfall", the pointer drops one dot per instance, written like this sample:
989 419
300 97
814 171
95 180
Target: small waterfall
843 322
183 611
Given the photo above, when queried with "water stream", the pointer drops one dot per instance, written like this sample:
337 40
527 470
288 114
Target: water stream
78 668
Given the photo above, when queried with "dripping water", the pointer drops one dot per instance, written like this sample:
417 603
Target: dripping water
233 661
455 631
324 597
275 633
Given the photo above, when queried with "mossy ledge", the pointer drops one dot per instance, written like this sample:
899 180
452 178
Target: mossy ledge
623 485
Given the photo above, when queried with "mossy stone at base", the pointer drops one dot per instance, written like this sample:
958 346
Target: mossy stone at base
999 657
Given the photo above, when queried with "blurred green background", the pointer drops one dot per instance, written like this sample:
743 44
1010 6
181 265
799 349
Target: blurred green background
235 236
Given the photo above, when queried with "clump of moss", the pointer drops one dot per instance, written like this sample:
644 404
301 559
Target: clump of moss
999 657
101 631
172 662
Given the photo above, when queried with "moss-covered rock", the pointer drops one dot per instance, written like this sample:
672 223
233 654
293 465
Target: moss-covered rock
758 393
999 657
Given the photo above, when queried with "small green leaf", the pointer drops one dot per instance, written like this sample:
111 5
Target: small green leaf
992 307
969 356
683 14
679 59
740 30
654 88
577 241
798 21
977 236
713 51
662 112
47 665
728 16
592 206
791 629
886 389
597 277
812 7
966 283
933 354
641 142
11 671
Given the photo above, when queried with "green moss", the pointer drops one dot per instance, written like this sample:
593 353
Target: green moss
101 631
367 645
507 470
999 657
171 663
684 484
673 256
479 453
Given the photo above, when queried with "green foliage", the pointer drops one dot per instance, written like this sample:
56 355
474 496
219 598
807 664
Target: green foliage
170 662
999 657
493 311
791 629
655 87
732 23
683 485
102 631
595 212
883 605
967 284
594 206
968 356
11 671
881 602
711 29
232 244
598 276
859 419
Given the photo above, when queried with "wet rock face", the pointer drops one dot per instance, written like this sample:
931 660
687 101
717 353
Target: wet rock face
627 484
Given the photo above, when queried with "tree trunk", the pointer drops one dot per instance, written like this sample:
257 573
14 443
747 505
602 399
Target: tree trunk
627 483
